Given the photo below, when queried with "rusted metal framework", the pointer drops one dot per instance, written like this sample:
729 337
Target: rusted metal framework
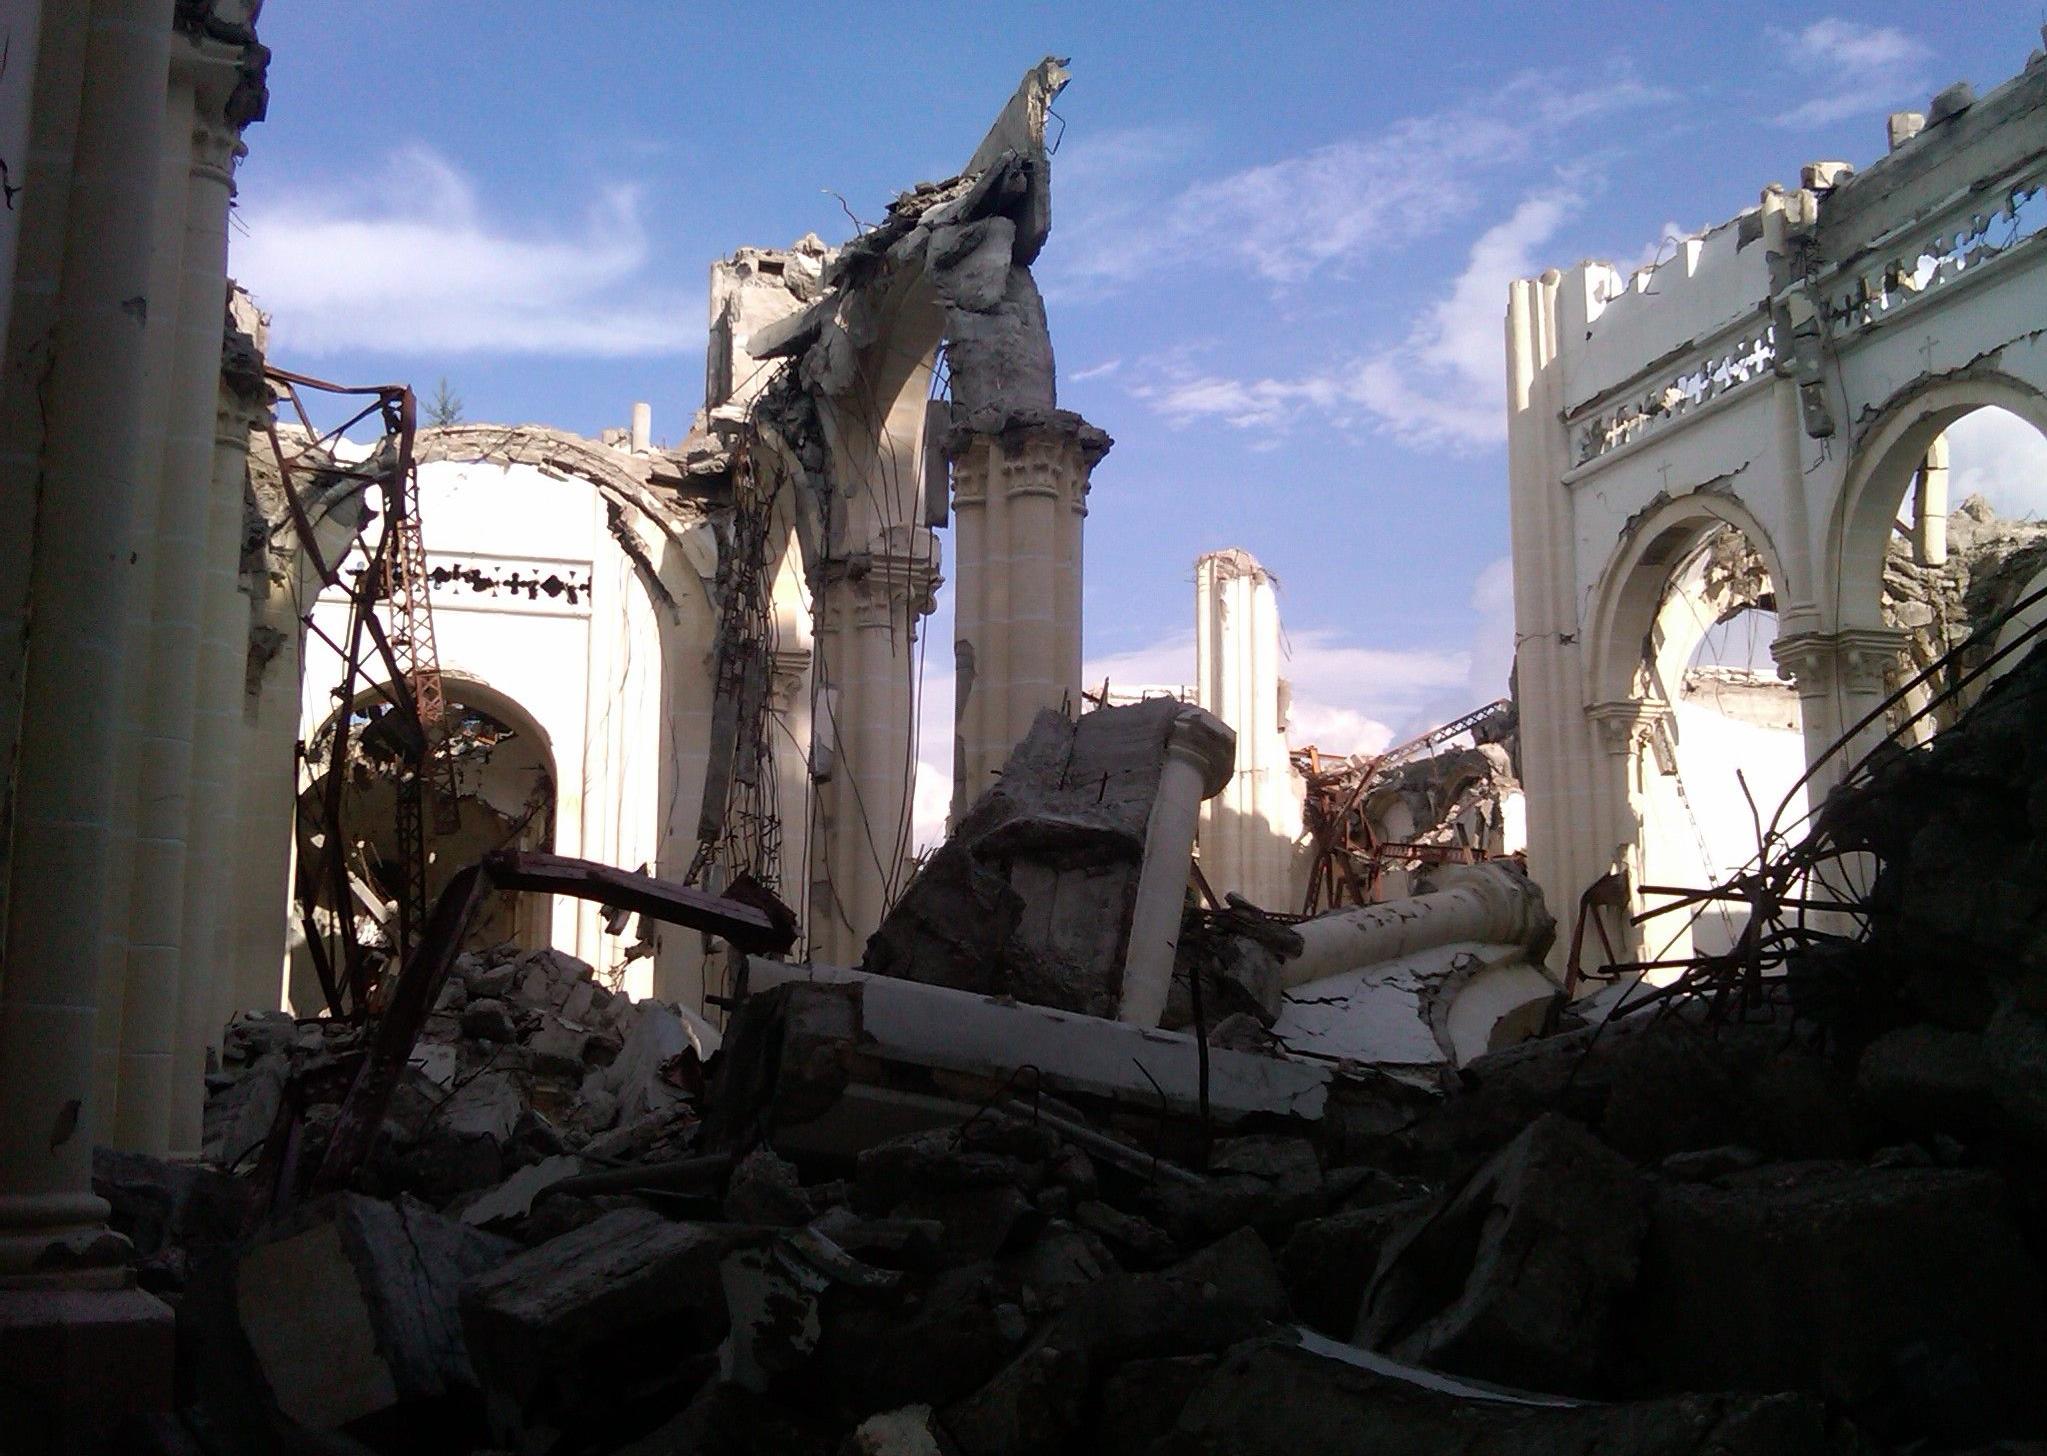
1815 889
1349 859
738 826
397 663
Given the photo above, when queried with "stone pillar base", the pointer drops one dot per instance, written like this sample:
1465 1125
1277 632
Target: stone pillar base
75 1364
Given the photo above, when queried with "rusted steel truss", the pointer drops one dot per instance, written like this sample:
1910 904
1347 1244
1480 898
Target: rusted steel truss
397 662
1349 860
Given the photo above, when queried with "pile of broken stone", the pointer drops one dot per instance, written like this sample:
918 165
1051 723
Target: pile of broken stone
590 1227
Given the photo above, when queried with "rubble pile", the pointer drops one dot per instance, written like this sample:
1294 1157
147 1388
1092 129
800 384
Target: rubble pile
881 1215
1990 562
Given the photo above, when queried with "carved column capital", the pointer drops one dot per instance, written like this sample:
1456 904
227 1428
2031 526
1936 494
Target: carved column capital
1050 454
1855 658
1629 724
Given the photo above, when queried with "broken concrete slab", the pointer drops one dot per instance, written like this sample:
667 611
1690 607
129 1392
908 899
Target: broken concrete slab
629 1291
1521 1274
351 1308
937 1027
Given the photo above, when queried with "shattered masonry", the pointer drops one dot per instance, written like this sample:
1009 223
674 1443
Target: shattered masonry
641 1091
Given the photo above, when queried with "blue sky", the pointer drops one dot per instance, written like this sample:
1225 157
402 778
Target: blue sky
1276 275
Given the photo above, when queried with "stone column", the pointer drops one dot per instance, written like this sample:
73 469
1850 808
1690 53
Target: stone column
1249 830
163 986
862 707
1491 904
1200 755
1840 678
1019 498
169 231
1629 732
788 745
220 732
1929 506
71 696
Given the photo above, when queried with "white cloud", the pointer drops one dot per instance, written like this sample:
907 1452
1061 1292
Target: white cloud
1850 68
411 263
1444 385
1995 454
1332 208
1346 698
1096 371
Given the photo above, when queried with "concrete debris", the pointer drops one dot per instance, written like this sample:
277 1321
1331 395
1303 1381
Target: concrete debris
882 1213
1031 895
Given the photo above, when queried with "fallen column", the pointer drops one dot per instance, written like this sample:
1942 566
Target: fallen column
1488 904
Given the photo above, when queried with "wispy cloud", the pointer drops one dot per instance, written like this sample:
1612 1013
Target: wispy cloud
1851 69
411 262
1335 207
1096 371
1440 386
1347 697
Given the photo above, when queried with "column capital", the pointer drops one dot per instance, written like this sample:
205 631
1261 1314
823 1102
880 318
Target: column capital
1631 723
1855 657
1207 744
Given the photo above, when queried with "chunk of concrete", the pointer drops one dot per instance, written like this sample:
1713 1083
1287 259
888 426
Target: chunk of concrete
352 1307
1520 1275
628 1291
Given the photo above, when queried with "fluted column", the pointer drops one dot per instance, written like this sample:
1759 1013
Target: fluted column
220 731
71 698
163 992
1249 830
1019 499
862 714
169 233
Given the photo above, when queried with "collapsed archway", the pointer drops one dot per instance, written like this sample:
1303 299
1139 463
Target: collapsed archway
505 790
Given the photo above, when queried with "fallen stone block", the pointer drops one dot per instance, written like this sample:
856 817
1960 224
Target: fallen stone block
628 1294
1328 1262
351 1307
1520 1275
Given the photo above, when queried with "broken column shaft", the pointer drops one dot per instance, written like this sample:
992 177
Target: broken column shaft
1489 904
1200 756
1020 502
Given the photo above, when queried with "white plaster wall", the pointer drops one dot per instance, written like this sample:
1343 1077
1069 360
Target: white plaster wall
595 674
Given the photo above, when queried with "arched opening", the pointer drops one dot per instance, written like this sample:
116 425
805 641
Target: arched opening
505 786
1937 533
1726 748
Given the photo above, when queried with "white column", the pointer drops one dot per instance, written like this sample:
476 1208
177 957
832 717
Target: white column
71 697
1020 498
163 987
169 240
1250 829
1929 506
265 803
1199 757
42 208
217 750
1489 904
861 712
